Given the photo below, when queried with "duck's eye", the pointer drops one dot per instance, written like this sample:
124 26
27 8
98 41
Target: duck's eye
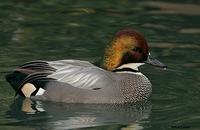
134 49
138 49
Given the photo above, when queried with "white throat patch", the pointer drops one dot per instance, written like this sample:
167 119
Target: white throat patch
133 66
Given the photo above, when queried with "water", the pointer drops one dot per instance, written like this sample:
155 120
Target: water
77 29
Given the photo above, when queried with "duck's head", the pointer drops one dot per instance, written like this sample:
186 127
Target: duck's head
128 48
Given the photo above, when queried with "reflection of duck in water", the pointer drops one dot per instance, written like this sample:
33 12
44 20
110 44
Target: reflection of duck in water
74 81
51 115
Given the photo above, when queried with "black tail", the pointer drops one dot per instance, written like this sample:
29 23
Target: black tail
34 72
15 79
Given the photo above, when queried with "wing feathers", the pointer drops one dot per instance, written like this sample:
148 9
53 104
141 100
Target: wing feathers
80 74
38 65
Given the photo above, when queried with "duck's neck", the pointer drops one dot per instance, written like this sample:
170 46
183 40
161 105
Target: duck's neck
115 51
130 67
133 66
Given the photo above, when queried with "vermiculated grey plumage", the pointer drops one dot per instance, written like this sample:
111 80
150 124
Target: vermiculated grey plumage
126 88
74 81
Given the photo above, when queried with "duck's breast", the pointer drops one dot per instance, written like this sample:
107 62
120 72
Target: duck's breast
134 87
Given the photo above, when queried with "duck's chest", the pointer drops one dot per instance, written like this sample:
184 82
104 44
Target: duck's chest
134 87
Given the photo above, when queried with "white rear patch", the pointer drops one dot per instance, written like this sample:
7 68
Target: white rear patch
40 91
28 89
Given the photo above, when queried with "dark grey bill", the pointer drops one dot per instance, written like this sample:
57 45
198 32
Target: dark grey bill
152 61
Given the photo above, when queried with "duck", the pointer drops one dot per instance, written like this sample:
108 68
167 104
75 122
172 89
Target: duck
78 81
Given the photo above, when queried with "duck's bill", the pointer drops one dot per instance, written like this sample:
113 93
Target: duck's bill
152 61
